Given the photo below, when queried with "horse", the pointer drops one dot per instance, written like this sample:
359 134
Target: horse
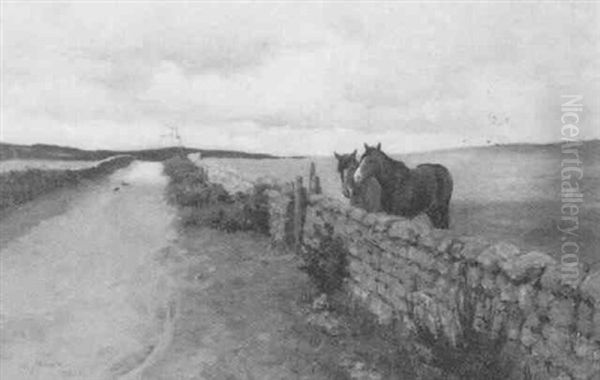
408 192
366 196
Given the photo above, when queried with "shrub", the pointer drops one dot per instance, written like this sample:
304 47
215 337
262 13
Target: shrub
327 265
203 203
18 187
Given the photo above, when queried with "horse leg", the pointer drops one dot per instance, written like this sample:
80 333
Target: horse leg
435 216
445 219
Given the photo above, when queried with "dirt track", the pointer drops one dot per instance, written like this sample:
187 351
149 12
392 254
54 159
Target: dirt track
82 295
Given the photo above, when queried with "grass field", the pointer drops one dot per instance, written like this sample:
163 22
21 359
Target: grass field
20 165
501 192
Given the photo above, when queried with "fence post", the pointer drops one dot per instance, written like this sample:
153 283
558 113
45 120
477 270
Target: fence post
298 213
311 178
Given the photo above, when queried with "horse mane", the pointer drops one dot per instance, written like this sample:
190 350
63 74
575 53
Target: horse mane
396 164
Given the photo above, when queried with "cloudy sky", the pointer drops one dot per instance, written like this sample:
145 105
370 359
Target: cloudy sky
295 78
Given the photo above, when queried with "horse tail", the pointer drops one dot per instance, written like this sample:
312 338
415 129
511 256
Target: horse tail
439 209
445 186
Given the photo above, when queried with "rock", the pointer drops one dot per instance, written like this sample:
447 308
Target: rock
528 336
562 312
357 214
369 220
383 221
447 244
584 348
525 298
557 340
422 225
421 258
468 247
590 288
473 276
585 315
498 254
325 321
560 282
382 310
403 229
357 370
528 266
320 303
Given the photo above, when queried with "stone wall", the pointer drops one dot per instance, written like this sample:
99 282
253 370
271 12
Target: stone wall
454 286
457 287
19 187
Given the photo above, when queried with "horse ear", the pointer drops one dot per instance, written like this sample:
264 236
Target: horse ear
378 146
354 153
366 146
336 155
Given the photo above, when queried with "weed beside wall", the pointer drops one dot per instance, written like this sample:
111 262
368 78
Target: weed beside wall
203 203
327 263
18 187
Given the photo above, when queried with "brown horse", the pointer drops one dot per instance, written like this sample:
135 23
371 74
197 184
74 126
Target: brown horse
366 196
408 192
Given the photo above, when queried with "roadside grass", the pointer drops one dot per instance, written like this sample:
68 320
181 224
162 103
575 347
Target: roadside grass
18 187
202 203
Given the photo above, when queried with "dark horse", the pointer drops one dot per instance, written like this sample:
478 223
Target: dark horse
366 196
407 192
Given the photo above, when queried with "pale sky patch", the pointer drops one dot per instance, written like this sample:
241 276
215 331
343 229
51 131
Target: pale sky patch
293 78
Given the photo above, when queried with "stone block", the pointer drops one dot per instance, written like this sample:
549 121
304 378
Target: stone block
316 198
446 244
357 214
590 288
496 255
468 248
473 276
357 290
562 312
369 220
527 267
488 281
585 319
526 298
383 221
561 280
420 257
529 334
508 292
544 299
422 225
404 230
585 349
380 308
558 340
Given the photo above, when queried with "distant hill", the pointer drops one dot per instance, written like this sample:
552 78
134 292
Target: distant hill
588 147
55 152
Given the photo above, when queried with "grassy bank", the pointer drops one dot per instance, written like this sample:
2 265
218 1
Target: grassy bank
202 203
64 153
18 187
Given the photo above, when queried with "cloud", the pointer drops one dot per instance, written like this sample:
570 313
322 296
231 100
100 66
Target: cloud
117 73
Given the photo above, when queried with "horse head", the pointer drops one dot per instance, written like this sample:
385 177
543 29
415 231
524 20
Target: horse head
370 163
347 164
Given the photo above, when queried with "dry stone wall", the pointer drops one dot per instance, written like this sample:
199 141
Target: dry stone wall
457 287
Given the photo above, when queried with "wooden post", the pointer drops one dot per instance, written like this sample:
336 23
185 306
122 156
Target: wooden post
318 189
311 178
297 213
314 182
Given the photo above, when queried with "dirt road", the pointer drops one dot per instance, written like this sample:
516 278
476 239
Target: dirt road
82 295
